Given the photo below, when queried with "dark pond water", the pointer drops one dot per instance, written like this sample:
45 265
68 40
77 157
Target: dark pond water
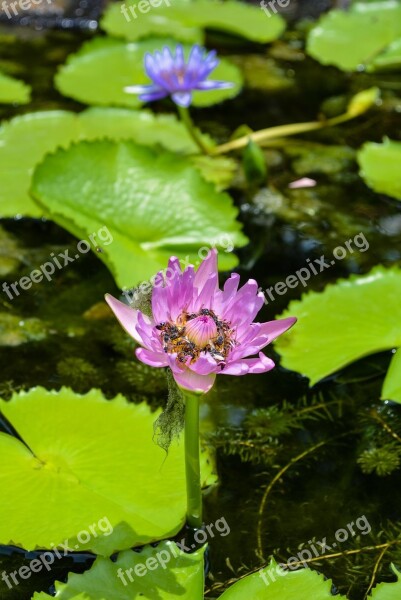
67 338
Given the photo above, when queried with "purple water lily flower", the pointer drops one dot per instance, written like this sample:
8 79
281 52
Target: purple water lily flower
174 77
198 330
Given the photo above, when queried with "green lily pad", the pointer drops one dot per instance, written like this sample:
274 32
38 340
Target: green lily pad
25 140
353 39
153 203
350 319
274 583
12 90
101 69
380 167
185 20
388 591
90 473
392 383
119 20
162 573
390 59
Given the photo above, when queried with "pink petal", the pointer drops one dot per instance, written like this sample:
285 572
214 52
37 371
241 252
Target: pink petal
189 380
304 182
128 317
205 365
249 365
264 334
207 268
153 359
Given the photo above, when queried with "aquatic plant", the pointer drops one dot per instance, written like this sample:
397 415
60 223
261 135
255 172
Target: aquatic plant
200 331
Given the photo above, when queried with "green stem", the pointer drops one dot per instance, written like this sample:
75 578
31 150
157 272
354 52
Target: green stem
192 460
280 131
193 132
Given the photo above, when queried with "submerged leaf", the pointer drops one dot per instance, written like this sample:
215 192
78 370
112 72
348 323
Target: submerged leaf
350 319
162 573
380 167
274 583
86 461
103 67
352 39
12 90
154 205
25 140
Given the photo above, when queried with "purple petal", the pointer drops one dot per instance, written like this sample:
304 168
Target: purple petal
152 96
214 85
128 317
205 365
183 99
153 359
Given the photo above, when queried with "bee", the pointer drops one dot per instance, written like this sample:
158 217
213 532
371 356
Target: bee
206 311
161 325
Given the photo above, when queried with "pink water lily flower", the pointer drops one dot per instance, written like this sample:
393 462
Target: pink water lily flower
198 330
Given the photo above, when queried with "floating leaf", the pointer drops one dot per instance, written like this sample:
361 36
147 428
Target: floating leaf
154 205
388 591
184 21
380 167
352 39
389 59
87 462
25 140
392 383
98 73
350 319
12 90
162 573
274 583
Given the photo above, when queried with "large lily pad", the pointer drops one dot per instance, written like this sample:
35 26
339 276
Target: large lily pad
25 140
162 573
388 591
353 39
12 90
101 69
274 583
154 205
87 462
380 167
353 318
185 20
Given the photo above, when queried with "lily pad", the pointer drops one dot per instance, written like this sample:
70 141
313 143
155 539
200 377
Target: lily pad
353 39
274 583
380 167
388 591
101 69
12 90
85 485
392 383
164 572
153 203
25 140
184 21
349 320
119 20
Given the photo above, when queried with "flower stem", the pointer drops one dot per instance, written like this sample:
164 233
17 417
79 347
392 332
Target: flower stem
280 131
192 460
193 132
